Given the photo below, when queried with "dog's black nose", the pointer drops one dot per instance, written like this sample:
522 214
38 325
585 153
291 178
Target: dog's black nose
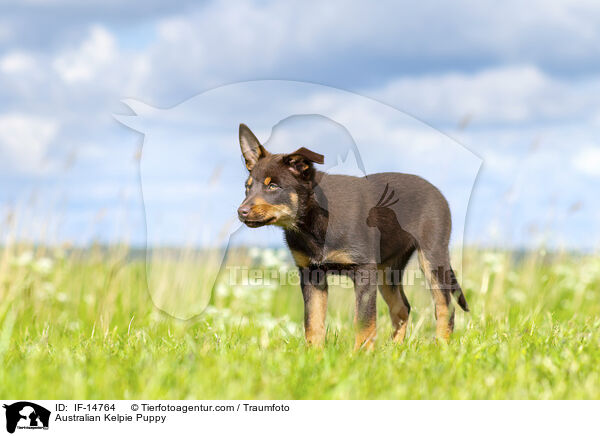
243 211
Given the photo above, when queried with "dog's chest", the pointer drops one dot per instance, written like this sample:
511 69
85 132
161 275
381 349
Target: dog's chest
307 252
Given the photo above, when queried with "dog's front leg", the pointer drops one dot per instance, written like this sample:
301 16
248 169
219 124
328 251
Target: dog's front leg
365 315
314 291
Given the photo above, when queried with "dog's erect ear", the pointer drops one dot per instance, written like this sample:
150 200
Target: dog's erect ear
251 148
301 162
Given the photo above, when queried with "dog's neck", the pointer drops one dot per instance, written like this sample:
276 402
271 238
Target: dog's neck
312 217
313 220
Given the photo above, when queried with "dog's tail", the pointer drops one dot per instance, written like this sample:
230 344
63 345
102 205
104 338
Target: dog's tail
458 294
460 299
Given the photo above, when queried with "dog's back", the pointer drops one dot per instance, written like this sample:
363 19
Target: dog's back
417 214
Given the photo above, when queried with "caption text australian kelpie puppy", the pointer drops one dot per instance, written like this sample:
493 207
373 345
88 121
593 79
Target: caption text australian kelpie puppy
364 227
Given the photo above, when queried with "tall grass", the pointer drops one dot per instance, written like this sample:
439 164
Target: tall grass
82 324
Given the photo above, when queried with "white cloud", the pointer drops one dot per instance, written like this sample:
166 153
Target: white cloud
87 61
17 62
587 161
24 141
513 94
229 41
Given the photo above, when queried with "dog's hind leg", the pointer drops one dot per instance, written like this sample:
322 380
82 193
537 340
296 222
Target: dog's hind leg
437 270
393 295
365 315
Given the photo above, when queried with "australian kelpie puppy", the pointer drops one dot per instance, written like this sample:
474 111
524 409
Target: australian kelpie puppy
363 227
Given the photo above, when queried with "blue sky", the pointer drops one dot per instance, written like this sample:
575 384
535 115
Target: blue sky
515 83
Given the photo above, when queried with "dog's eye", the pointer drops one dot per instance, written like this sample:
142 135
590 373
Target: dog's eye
272 187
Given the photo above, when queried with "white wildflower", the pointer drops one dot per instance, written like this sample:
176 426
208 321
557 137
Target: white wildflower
222 290
48 288
24 258
254 253
62 297
43 265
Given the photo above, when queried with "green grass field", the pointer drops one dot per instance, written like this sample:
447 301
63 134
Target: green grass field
84 326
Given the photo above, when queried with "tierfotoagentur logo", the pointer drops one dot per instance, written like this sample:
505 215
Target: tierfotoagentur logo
192 177
26 415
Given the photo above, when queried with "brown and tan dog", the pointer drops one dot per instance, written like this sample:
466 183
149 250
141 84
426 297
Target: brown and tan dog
363 227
